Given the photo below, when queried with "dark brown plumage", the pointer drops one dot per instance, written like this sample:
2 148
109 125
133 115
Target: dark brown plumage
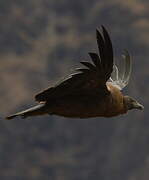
90 92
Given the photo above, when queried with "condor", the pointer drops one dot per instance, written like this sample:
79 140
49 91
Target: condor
92 91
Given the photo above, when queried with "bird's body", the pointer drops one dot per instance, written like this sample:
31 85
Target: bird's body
91 92
82 105
88 104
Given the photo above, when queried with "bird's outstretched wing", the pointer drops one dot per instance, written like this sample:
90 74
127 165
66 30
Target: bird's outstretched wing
121 78
89 79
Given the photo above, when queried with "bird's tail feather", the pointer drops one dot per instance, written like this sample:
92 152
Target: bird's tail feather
36 110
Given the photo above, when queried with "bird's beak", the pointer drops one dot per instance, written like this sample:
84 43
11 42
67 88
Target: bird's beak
137 105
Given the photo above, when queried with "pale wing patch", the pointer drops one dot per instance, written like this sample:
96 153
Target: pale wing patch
121 78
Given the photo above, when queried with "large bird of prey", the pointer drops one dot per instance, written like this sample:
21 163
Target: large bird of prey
93 91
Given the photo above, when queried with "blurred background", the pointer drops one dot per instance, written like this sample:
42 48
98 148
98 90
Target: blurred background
42 41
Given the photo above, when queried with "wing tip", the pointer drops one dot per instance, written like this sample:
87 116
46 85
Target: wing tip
10 117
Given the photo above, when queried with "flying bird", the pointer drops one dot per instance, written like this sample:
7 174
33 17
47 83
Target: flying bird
94 90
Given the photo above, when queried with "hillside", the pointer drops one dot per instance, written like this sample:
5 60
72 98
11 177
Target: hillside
42 41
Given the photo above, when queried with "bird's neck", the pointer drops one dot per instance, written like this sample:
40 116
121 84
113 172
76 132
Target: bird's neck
117 99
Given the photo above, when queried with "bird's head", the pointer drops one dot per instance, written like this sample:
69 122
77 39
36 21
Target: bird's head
131 103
